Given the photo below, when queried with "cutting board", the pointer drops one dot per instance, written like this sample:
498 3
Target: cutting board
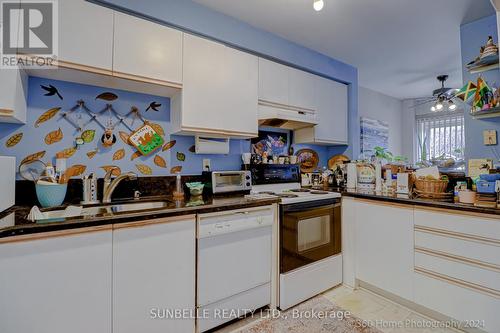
7 182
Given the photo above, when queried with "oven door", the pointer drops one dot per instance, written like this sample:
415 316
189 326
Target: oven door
309 232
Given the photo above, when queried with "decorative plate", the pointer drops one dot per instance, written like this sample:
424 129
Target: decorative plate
308 160
337 160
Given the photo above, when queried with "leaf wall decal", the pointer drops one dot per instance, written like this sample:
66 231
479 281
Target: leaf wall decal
46 116
54 136
33 157
91 153
192 149
125 136
176 169
116 170
160 161
88 136
66 153
169 145
75 170
144 169
119 154
14 140
107 96
135 155
181 156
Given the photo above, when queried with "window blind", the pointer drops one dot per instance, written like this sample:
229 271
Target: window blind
440 135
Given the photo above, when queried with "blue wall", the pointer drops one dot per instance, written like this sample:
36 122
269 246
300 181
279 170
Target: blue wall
33 137
194 18
473 36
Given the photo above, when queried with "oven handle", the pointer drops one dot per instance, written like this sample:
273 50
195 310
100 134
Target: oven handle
304 208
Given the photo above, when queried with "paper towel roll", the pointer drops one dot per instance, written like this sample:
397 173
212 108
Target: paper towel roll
352 175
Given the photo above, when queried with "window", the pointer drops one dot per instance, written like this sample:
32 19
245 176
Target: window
440 136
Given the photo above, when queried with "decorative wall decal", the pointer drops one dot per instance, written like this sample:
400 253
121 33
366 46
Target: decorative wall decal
144 169
272 143
125 137
153 106
169 145
119 154
135 155
66 153
92 153
88 136
181 156
146 140
108 138
33 157
46 116
176 169
107 96
192 149
75 170
51 91
160 161
116 170
14 140
157 127
54 136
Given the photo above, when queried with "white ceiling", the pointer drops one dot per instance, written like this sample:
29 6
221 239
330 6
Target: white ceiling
398 46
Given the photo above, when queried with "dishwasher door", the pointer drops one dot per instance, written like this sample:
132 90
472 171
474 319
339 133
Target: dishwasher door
234 253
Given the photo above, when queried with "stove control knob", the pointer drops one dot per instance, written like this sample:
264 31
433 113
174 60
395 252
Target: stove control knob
247 177
248 184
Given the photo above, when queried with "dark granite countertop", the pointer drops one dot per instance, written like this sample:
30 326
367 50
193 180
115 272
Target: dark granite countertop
13 221
410 200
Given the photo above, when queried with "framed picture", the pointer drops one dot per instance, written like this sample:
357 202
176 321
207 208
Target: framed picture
374 133
274 143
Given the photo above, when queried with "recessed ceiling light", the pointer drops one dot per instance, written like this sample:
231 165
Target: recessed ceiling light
318 5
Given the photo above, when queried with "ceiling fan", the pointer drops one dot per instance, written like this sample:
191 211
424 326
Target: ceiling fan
442 99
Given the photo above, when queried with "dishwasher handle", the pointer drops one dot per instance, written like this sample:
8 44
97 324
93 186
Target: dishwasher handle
207 230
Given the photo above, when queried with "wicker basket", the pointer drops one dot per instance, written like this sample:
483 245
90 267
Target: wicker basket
431 186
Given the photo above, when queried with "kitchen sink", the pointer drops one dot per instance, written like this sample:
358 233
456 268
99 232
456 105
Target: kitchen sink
85 212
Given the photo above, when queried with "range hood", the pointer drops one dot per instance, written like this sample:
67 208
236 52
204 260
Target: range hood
284 116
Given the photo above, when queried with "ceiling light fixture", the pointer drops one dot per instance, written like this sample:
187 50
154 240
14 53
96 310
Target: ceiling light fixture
318 5
433 108
452 106
439 106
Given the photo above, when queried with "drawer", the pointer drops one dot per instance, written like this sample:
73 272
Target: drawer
480 226
478 278
474 251
457 302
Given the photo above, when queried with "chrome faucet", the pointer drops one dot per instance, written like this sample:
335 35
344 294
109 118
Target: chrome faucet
110 186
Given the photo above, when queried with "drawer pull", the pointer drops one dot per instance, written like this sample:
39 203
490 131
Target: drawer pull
458 282
459 235
459 259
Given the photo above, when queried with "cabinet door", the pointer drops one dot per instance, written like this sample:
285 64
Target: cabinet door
203 84
331 98
85 34
14 84
384 247
57 285
273 82
153 270
301 89
146 49
241 92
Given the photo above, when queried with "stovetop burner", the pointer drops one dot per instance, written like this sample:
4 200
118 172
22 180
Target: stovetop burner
300 190
287 195
267 192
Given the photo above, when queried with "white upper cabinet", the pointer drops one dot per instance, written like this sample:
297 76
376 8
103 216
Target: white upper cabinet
14 87
273 82
220 91
57 285
146 49
85 34
331 112
301 89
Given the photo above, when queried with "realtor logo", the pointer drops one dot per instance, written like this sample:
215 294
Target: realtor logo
29 28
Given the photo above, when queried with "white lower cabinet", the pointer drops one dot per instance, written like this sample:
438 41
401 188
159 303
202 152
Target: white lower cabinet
384 246
153 275
57 285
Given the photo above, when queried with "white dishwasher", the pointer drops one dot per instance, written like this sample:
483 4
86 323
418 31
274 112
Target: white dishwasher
234 264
